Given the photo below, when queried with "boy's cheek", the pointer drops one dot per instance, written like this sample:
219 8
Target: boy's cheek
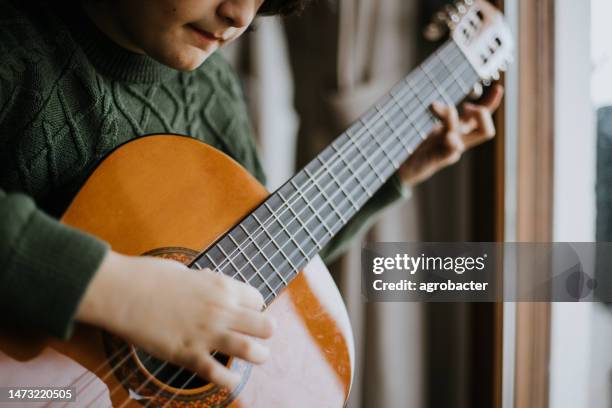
175 50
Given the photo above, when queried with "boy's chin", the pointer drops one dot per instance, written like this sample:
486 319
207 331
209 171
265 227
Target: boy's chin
188 61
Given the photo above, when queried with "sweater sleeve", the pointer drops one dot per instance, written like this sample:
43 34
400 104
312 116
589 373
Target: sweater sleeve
45 267
392 191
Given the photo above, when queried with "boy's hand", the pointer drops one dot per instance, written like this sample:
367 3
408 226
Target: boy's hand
178 314
446 143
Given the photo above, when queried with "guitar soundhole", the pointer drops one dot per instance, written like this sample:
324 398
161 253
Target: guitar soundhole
173 375
156 382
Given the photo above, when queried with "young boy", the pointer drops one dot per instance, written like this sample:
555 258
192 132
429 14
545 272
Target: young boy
81 77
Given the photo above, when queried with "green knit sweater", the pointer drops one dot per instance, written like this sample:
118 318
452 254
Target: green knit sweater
68 96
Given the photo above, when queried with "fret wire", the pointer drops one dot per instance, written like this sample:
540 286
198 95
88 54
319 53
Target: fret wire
408 149
456 82
213 263
423 87
330 202
340 186
231 261
437 88
248 258
366 157
376 139
259 249
455 89
424 103
395 131
407 116
279 248
309 205
299 221
456 78
265 256
347 164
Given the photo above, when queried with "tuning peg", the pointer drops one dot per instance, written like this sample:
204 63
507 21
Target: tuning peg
453 17
461 7
495 76
503 67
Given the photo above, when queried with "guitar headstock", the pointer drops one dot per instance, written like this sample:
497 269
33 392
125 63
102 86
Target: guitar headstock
480 31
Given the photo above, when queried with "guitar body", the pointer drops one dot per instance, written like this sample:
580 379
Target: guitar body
173 196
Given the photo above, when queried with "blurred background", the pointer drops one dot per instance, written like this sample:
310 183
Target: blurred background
547 176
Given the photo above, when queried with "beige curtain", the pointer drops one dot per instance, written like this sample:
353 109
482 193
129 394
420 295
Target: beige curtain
340 56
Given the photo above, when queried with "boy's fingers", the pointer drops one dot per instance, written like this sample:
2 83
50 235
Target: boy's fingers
206 366
241 293
485 128
249 297
447 114
252 323
490 102
214 371
492 99
242 346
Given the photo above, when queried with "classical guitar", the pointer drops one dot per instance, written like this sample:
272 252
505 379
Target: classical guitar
187 201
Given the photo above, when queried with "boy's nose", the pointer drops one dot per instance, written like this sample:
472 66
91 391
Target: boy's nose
237 13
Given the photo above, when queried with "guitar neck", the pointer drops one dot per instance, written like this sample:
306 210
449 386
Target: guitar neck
270 246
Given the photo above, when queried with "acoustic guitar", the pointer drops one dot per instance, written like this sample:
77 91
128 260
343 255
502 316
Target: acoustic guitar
187 201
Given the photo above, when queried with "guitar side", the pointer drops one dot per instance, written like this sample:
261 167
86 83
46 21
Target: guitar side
169 194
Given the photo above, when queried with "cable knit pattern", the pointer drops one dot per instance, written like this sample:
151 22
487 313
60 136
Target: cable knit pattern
69 96
61 114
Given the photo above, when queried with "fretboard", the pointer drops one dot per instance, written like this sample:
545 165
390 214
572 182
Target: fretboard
268 248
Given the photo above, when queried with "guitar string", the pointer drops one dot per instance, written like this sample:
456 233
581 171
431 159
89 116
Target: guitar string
181 369
448 68
213 353
220 267
194 375
366 129
407 122
252 277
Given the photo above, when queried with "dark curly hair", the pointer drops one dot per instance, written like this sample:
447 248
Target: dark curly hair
282 7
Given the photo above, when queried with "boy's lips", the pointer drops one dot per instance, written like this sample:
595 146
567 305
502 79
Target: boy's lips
203 34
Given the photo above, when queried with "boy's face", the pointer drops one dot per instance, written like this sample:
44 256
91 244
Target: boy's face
181 33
